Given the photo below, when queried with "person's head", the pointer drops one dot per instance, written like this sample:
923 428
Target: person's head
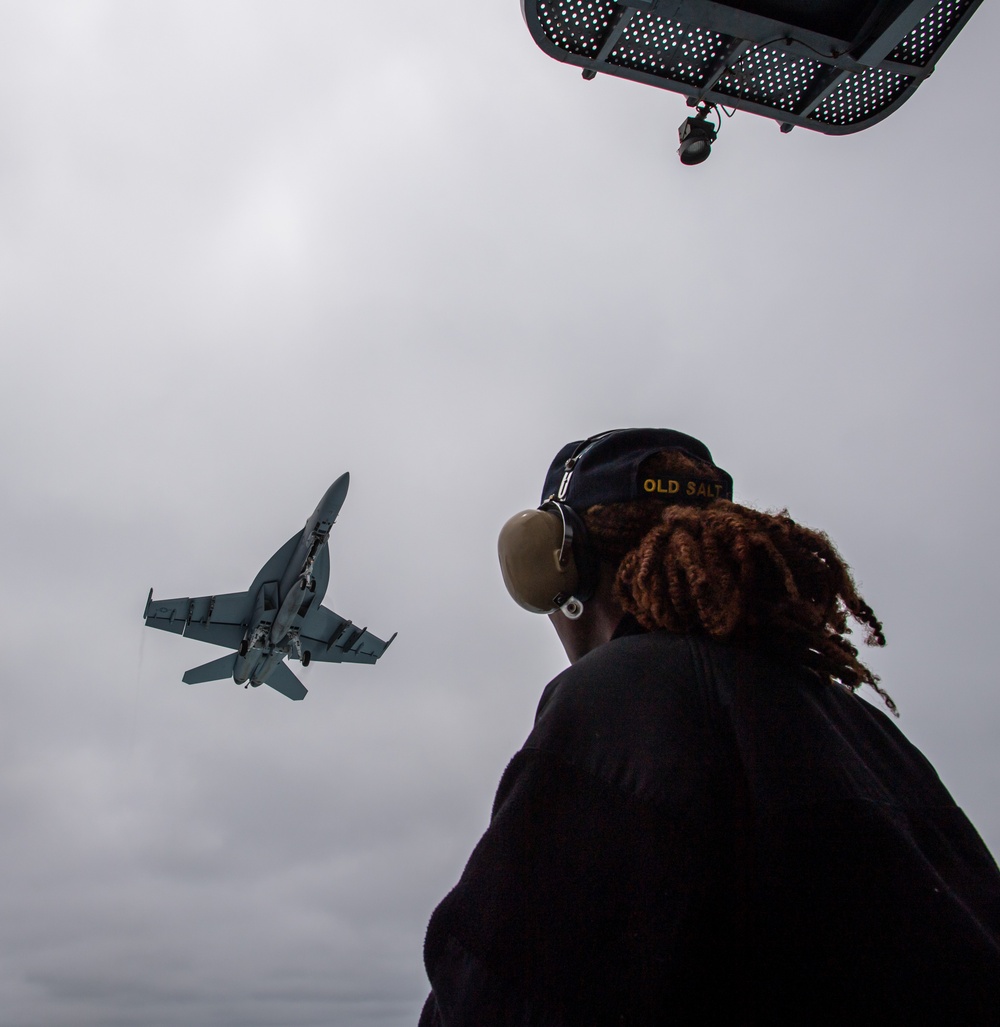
641 522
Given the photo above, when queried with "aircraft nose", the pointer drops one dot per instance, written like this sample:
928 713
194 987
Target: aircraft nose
331 503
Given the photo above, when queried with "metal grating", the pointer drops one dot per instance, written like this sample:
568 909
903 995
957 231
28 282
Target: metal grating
733 53
861 97
578 26
666 48
769 77
919 47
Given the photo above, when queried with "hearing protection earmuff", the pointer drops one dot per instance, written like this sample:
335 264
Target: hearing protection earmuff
544 562
543 554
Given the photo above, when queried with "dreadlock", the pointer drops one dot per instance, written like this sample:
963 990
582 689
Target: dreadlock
736 574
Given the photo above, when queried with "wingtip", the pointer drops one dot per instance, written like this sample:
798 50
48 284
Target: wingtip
149 600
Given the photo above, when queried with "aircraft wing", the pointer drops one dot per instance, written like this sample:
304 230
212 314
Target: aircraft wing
328 637
221 620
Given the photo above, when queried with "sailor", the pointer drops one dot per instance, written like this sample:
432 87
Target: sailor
707 825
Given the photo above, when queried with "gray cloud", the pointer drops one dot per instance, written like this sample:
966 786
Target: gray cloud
247 246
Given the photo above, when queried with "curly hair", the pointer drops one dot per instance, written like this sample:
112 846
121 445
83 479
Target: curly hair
738 575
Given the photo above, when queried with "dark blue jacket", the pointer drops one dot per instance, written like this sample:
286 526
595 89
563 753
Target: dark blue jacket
695 834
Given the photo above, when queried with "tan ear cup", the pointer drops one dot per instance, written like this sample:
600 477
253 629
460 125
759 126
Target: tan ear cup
528 548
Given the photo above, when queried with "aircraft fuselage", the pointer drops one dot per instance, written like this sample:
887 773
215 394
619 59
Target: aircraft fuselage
280 607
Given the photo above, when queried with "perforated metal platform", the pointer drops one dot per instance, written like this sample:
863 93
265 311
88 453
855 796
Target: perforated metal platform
833 66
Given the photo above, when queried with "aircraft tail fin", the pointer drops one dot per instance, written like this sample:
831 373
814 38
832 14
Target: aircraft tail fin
282 680
214 671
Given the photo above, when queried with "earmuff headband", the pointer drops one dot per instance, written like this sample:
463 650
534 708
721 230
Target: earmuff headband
574 459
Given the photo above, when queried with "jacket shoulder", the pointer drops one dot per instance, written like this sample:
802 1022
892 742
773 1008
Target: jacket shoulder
637 712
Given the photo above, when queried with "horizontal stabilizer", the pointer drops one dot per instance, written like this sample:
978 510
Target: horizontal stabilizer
282 680
214 671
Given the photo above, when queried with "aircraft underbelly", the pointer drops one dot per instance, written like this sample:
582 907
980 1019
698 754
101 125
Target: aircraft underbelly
266 666
246 665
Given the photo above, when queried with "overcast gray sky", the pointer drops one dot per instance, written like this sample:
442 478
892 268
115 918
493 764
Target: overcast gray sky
246 246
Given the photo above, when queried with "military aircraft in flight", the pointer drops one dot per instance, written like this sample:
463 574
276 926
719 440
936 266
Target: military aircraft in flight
279 615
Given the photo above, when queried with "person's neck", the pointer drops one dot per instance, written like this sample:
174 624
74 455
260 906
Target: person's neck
596 625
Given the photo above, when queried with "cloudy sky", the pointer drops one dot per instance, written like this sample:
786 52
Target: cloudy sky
246 246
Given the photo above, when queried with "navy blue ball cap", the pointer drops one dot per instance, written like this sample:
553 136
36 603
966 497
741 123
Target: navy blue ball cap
605 469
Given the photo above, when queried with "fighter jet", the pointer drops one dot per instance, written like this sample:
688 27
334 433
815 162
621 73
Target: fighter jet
279 615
